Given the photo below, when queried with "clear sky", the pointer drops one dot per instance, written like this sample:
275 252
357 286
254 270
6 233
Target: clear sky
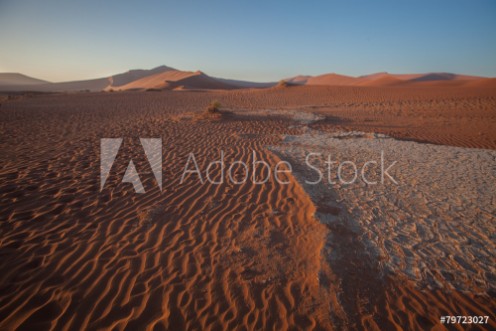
253 40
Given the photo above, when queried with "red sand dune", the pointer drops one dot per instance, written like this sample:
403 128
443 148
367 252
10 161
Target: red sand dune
164 77
382 80
133 75
331 79
177 79
386 79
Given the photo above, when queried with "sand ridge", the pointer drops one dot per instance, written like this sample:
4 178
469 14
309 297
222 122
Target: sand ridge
191 256
164 77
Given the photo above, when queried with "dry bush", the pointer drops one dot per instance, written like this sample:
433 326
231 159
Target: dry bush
214 107
213 112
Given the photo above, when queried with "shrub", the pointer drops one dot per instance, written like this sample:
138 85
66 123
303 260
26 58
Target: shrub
214 107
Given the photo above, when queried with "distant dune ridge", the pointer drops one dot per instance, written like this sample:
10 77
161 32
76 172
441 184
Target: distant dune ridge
387 79
168 78
15 79
175 79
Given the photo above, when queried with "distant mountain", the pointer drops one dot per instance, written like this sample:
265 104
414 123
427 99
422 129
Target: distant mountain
387 79
167 78
162 77
11 78
107 83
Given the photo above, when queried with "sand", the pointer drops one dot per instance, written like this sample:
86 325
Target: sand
167 78
205 256
387 79
431 224
177 79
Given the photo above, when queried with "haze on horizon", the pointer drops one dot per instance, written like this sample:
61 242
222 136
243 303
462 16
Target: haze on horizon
257 41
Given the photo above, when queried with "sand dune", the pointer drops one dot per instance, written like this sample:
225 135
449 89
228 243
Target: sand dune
93 85
331 79
386 79
133 75
158 81
18 79
299 80
164 77
177 79
382 80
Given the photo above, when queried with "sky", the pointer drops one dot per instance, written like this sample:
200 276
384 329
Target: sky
250 40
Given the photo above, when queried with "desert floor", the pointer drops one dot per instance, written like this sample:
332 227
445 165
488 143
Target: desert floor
227 256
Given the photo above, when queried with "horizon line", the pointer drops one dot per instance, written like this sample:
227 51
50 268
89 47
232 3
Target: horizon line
241 79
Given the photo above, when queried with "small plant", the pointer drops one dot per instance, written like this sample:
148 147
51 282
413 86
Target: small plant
282 83
214 107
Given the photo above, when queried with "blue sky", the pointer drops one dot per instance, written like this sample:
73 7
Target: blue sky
253 40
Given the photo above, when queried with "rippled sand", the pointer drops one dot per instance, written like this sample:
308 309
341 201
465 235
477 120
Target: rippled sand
228 256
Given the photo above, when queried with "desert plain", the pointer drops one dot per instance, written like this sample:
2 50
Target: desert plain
277 256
